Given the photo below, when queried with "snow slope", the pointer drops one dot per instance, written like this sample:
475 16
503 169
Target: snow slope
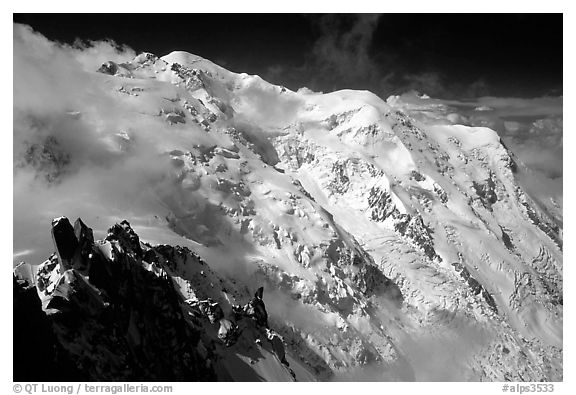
392 243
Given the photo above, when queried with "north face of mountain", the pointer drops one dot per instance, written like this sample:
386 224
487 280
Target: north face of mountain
390 241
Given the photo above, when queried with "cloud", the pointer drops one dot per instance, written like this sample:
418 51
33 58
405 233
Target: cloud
68 157
261 104
443 351
91 54
535 108
446 355
345 52
83 149
340 57
532 129
343 56
430 83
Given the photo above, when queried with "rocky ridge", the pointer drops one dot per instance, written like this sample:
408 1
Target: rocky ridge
115 309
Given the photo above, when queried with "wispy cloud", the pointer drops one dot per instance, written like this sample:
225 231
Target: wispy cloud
533 128
339 58
344 56
343 48
65 119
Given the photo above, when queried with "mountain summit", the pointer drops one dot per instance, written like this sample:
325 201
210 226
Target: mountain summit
390 243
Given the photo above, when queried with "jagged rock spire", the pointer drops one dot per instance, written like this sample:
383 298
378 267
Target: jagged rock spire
65 241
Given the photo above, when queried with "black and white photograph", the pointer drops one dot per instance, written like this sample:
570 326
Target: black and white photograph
287 197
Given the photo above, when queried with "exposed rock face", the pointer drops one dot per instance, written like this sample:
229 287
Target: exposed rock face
119 318
228 332
256 309
112 310
381 204
65 241
110 68
38 356
414 228
475 286
47 158
486 191
208 308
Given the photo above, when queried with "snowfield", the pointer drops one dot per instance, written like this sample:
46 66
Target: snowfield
392 244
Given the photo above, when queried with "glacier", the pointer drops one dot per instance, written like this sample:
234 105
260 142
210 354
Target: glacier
392 243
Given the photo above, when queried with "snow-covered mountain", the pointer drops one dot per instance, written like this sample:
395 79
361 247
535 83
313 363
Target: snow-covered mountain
391 242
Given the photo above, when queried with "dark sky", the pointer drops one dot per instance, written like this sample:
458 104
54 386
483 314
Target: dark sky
444 55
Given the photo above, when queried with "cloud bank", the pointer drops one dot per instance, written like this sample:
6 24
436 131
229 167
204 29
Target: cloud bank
68 151
532 128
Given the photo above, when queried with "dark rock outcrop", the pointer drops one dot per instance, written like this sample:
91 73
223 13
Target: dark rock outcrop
38 356
486 191
65 241
114 310
475 286
381 205
47 158
414 228
115 315
255 309
109 68
544 224
207 308
228 332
